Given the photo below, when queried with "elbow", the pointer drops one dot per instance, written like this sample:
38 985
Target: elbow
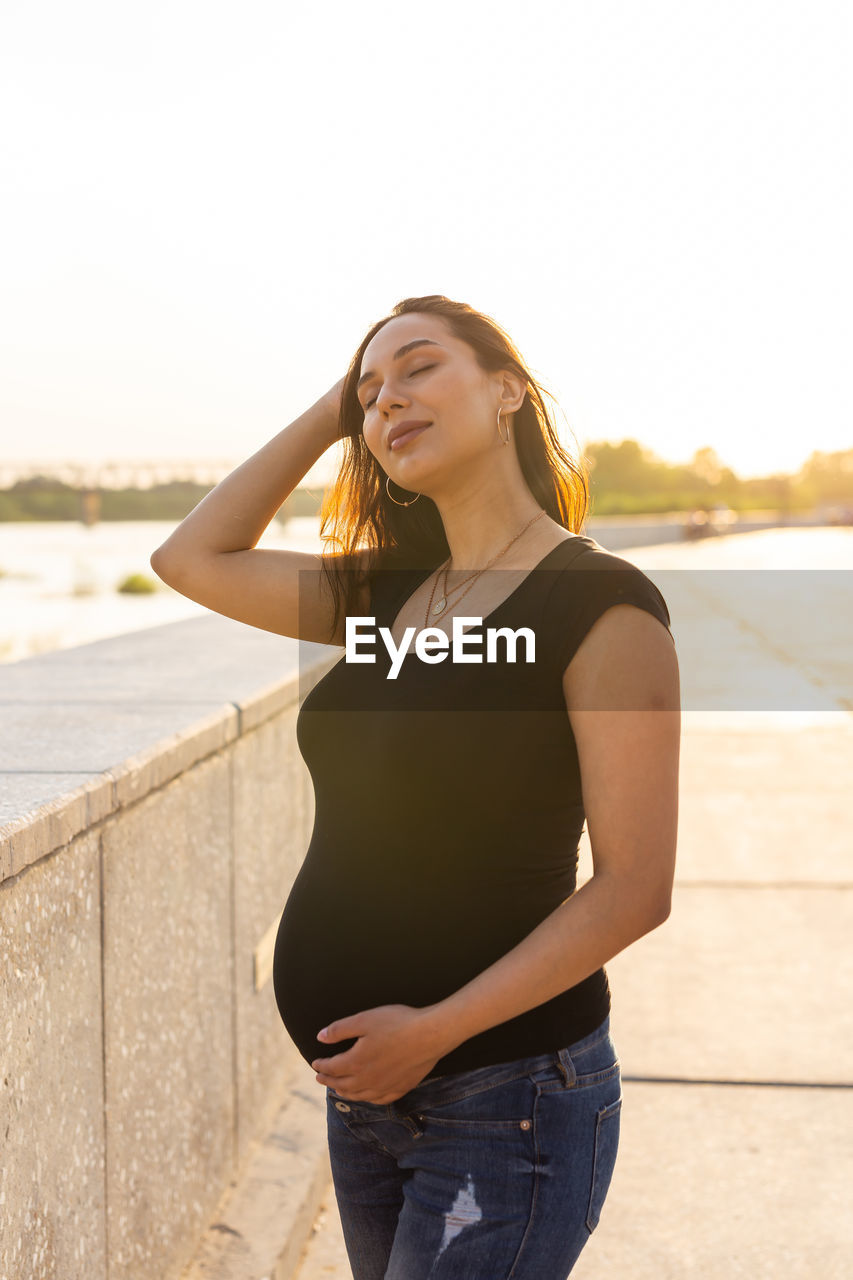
664 910
639 913
163 567
641 902
156 562
646 912
658 911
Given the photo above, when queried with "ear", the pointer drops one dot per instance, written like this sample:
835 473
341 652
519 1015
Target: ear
512 389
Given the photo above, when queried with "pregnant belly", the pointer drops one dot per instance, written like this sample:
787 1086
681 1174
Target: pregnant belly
344 947
337 954
304 976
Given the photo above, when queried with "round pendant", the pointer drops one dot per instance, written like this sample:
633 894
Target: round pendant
440 605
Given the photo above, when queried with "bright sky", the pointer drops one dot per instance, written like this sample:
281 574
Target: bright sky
206 204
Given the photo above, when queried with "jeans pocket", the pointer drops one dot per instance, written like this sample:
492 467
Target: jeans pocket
505 1106
603 1160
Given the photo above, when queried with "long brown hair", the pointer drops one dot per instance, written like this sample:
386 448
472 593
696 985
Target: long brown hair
356 509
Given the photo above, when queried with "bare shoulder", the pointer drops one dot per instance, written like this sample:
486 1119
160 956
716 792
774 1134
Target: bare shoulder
626 661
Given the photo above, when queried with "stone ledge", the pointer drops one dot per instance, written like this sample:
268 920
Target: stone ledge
140 774
60 774
263 1221
54 822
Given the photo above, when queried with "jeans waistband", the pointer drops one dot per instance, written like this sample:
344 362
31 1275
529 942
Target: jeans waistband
438 1089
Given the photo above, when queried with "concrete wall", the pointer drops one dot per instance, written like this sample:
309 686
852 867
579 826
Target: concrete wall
154 810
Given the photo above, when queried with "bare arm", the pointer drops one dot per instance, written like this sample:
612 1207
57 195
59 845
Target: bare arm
233 516
211 557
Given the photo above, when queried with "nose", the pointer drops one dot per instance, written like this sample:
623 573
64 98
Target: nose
390 397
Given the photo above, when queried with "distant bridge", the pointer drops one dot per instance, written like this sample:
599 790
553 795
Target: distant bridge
119 474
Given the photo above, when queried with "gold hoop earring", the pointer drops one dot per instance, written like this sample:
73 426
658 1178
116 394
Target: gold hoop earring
398 502
503 437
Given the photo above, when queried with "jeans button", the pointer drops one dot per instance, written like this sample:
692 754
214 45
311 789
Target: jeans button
342 1106
525 1124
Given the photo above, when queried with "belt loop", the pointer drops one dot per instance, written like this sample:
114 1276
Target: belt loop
567 1067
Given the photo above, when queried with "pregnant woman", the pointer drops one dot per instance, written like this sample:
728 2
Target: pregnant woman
504 680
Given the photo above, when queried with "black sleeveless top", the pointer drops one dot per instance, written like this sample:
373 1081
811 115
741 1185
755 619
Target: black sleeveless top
448 812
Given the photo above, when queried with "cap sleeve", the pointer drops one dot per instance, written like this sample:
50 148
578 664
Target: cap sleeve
586 589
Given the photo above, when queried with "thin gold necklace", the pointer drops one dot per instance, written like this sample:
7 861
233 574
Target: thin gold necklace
441 605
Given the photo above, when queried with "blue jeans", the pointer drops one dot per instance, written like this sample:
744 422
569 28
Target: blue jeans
483 1175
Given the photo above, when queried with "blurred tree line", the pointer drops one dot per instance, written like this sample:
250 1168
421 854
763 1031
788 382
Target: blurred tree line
625 479
47 498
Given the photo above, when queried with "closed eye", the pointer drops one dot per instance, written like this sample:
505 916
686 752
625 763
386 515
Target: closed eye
422 369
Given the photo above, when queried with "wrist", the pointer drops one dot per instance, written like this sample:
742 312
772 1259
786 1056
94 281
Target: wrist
328 417
442 1028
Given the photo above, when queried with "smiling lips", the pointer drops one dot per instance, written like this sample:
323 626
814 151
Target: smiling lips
404 432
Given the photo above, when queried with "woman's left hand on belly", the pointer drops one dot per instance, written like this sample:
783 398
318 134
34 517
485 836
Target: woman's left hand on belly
397 1046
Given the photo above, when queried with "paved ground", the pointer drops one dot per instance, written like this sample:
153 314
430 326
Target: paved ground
734 1021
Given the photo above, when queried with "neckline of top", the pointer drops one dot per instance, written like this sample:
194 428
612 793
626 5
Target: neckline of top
578 542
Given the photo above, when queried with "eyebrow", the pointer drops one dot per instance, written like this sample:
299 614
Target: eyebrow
398 355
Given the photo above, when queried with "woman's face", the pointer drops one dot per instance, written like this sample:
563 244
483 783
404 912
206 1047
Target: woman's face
415 370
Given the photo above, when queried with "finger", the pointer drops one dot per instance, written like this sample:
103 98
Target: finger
329 1081
334 1082
335 1066
337 1075
340 1030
